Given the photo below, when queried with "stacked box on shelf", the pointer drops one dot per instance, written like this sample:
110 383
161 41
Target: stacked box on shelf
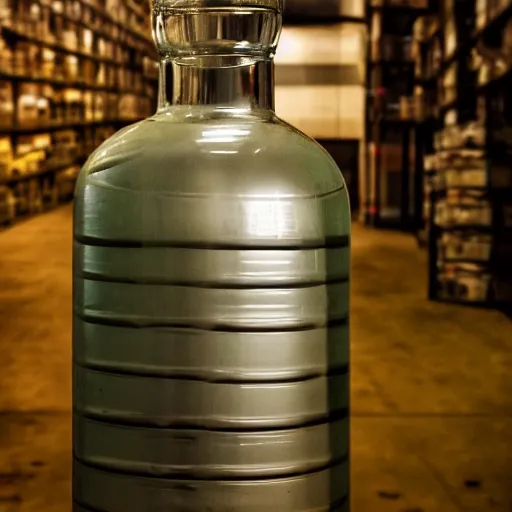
462 216
472 229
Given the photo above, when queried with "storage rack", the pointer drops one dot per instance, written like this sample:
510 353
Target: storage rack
390 126
72 72
468 169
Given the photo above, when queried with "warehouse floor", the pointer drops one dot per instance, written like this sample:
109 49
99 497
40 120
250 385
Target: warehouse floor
432 383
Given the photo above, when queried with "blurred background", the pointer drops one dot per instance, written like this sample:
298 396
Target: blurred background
412 99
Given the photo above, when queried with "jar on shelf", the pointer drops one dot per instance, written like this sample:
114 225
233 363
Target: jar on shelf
99 106
6 57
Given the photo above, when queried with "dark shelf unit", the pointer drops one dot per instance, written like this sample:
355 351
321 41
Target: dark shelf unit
464 164
48 128
390 127
87 68
301 19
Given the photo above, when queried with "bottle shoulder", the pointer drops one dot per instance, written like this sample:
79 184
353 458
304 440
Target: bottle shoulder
242 182
197 155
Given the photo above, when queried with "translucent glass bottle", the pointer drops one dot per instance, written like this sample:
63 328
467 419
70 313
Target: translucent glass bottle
211 268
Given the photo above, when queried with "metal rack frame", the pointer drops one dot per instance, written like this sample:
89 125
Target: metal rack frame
465 104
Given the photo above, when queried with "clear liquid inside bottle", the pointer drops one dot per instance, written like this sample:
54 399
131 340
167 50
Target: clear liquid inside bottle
211 266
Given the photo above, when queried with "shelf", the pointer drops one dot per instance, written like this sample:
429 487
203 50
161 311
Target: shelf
462 188
488 189
42 172
298 20
63 49
475 149
425 81
427 120
458 103
464 227
20 130
405 9
392 62
455 261
72 84
394 121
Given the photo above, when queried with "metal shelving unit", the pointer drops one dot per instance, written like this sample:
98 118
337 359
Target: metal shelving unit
390 113
468 168
82 69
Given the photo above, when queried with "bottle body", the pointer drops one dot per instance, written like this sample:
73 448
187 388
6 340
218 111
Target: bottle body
211 293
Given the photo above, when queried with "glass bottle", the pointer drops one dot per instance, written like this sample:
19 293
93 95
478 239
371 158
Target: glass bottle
211 268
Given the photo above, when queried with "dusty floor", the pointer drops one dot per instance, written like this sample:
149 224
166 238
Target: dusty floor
432 384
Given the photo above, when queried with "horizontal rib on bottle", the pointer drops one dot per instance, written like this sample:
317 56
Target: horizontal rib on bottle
210 454
321 491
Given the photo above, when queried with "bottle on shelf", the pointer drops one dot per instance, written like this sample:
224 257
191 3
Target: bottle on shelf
211 268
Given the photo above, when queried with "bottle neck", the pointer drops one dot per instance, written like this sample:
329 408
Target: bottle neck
217 81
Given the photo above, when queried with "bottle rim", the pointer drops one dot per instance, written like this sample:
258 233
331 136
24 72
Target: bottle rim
175 25
277 5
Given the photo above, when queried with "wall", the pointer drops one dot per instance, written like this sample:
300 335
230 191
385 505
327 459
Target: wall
320 76
320 85
325 9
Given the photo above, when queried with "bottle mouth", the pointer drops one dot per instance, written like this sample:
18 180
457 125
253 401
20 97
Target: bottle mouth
250 32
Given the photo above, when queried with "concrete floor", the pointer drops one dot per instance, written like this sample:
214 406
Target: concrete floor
432 384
